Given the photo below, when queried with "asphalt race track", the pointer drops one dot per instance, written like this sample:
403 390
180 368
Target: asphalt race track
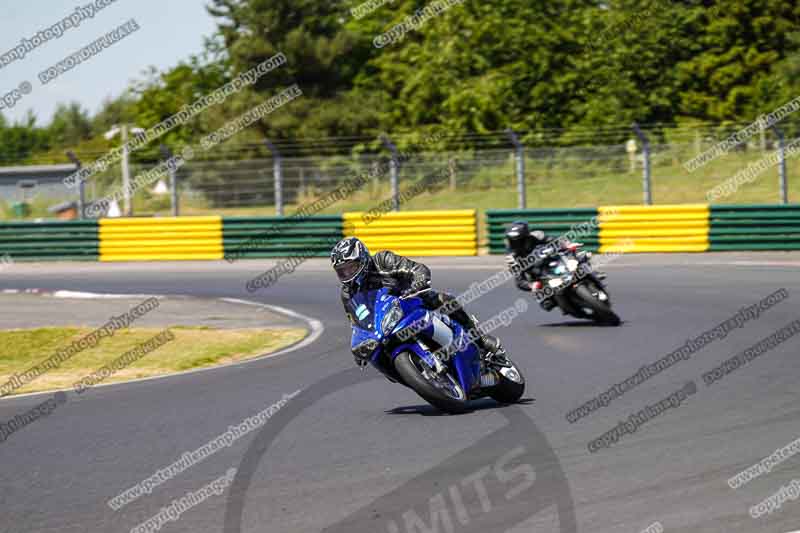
359 454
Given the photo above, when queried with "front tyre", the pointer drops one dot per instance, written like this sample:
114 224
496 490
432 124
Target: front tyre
441 391
593 307
511 385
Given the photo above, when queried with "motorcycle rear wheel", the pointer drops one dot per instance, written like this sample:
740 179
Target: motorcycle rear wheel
511 385
443 392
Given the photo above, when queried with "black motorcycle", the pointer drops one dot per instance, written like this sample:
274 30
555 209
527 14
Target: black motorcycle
570 280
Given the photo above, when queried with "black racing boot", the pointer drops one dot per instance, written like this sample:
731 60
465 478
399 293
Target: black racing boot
489 345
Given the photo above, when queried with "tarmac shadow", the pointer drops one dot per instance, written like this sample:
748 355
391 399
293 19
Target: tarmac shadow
579 324
477 405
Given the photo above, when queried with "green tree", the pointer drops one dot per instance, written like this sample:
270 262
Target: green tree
70 125
737 45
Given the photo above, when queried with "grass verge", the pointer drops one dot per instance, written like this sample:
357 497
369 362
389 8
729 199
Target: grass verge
192 347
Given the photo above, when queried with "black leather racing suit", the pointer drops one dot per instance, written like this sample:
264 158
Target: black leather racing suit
542 250
401 274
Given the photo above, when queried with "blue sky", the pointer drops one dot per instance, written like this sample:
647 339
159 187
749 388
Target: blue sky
170 30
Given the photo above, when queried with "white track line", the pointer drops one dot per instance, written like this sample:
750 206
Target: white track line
315 326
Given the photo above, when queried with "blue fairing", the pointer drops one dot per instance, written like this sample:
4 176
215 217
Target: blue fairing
368 310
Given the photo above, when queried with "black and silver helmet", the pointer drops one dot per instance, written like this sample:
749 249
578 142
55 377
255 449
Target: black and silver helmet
349 259
518 238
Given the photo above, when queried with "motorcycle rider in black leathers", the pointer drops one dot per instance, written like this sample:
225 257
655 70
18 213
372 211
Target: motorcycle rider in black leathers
534 248
359 271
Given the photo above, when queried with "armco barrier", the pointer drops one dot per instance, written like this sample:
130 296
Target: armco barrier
672 228
755 227
417 233
553 222
49 241
153 239
280 236
660 228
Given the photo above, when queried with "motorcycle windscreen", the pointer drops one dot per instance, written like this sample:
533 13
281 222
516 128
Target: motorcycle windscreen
362 308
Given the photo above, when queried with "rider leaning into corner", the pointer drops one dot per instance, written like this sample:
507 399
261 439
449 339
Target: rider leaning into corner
521 242
359 271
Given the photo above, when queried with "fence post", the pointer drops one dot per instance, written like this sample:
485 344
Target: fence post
166 153
277 170
81 185
782 165
648 197
519 149
394 169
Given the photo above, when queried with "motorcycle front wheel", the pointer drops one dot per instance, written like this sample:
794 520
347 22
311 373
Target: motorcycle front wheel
440 390
593 307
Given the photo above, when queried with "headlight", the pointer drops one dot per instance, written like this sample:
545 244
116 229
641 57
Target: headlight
555 282
572 265
391 319
365 349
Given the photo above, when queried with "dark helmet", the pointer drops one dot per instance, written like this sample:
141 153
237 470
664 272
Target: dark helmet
350 258
521 240
518 238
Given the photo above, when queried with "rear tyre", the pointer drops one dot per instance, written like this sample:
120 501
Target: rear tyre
443 392
511 385
594 308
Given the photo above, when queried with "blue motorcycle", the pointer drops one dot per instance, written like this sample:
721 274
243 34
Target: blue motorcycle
428 352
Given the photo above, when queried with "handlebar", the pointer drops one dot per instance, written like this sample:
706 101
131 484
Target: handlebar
413 294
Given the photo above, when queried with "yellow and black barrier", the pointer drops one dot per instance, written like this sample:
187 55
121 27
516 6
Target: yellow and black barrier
416 233
661 228
154 239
